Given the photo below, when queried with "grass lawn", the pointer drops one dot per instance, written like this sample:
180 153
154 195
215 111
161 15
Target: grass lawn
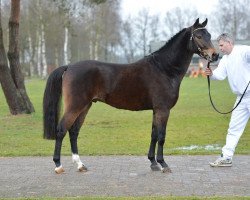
193 128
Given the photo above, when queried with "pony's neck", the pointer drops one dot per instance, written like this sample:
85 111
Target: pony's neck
174 58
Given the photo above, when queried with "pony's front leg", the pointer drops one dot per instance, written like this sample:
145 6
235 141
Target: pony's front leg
151 153
161 122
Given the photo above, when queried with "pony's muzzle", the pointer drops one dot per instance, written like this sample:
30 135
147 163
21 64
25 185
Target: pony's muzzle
215 57
211 55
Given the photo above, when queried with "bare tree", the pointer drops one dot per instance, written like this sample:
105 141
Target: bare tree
138 32
155 28
12 81
99 14
232 17
44 67
177 18
66 8
66 31
108 30
128 41
143 27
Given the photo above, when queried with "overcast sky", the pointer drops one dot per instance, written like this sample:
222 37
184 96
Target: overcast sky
132 7
160 7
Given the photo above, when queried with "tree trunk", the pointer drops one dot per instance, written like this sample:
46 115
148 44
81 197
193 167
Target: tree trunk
12 80
65 46
7 84
39 53
97 46
43 48
31 56
44 62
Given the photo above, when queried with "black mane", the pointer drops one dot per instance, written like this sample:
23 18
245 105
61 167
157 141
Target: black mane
170 41
167 59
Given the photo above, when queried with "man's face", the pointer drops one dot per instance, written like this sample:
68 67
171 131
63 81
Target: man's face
226 47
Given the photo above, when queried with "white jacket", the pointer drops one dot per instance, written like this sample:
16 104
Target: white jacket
236 67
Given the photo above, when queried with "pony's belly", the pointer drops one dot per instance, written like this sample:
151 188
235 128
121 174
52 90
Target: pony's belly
129 104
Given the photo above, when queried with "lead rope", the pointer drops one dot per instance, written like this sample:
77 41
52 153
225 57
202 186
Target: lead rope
209 92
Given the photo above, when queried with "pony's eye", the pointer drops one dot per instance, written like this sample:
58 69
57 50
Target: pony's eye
198 36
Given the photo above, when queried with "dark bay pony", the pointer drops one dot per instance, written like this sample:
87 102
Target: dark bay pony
151 83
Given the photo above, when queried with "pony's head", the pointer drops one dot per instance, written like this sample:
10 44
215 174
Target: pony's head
200 41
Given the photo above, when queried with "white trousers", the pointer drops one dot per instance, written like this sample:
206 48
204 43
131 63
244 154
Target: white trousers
238 122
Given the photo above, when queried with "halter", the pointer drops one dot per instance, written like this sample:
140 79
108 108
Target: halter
201 52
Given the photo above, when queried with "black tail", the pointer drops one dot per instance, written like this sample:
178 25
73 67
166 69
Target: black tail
51 102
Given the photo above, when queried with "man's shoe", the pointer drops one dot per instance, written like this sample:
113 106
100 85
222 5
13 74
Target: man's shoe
222 162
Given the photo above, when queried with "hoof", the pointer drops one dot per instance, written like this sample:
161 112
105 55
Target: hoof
166 170
82 168
155 167
59 170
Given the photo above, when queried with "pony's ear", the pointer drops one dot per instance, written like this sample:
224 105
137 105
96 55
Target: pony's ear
204 23
196 23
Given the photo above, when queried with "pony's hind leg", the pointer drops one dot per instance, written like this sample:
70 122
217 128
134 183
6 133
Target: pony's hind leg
61 132
66 122
73 134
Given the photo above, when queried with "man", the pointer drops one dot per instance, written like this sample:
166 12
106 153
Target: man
235 65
